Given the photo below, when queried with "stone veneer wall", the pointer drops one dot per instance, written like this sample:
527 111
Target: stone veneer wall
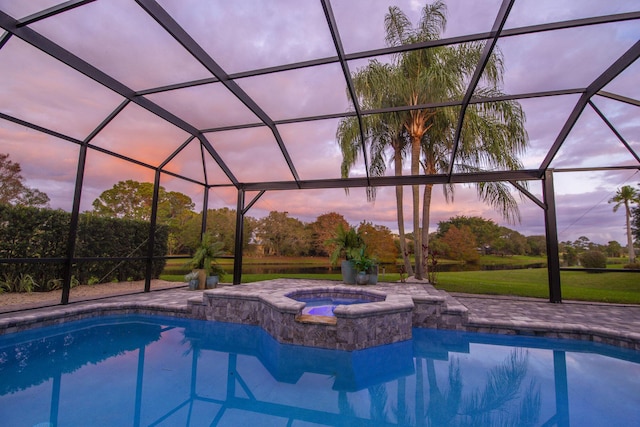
385 320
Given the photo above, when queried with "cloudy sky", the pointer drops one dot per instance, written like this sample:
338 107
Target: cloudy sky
121 39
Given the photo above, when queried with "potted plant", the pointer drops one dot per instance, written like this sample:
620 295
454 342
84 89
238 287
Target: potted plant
204 262
366 267
192 280
347 243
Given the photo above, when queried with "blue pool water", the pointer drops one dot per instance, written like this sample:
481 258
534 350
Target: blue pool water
325 306
158 371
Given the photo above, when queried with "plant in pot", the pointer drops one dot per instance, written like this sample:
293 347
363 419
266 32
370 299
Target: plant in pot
365 266
192 280
347 243
204 262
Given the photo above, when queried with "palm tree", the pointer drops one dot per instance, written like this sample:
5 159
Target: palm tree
625 196
418 82
381 132
492 137
409 81
492 133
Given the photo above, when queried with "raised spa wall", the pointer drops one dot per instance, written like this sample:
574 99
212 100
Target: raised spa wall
384 320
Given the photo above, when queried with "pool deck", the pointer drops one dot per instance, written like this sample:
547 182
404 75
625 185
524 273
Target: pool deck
616 324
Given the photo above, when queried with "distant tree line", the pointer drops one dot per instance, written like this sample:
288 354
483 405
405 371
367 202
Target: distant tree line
460 238
277 234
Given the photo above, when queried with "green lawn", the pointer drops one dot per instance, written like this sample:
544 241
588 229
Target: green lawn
576 285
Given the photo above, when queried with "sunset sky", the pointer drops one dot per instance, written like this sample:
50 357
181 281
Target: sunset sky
121 39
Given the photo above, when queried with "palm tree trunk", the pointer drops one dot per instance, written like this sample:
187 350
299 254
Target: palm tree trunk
415 171
426 213
400 212
632 252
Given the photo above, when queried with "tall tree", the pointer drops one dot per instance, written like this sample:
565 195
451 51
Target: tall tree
625 196
378 242
485 230
282 235
418 82
126 199
492 134
536 245
13 191
323 230
635 224
132 200
461 244
382 132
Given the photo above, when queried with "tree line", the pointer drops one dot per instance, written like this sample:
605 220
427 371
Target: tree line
459 238
278 234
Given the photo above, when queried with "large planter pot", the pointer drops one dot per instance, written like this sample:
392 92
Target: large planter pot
348 272
193 284
212 281
202 278
373 275
362 278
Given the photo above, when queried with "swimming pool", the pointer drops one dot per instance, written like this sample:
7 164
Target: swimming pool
161 371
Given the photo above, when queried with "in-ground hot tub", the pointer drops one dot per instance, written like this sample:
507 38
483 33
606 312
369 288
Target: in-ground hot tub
323 302
325 306
378 318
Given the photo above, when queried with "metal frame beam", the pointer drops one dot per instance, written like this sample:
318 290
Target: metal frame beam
237 260
54 10
56 51
181 36
21 29
390 181
551 234
501 19
404 48
615 131
333 28
452 103
628 58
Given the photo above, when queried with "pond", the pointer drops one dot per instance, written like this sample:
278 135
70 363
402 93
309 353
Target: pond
384 268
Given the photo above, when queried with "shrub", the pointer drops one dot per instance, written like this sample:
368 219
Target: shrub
593 259
28 232
632 266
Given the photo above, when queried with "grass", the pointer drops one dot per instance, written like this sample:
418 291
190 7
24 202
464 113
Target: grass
578 285
575 285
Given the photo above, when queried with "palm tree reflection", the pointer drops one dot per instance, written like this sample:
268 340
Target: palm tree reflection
502 401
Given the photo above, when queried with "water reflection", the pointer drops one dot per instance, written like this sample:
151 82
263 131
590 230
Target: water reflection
384 268
175 372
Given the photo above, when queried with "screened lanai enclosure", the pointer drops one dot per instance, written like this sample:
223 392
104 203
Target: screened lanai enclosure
282 105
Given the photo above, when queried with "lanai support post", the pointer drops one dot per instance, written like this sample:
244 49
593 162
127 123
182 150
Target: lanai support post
205 209
73 226
237 256
551 233
153 223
